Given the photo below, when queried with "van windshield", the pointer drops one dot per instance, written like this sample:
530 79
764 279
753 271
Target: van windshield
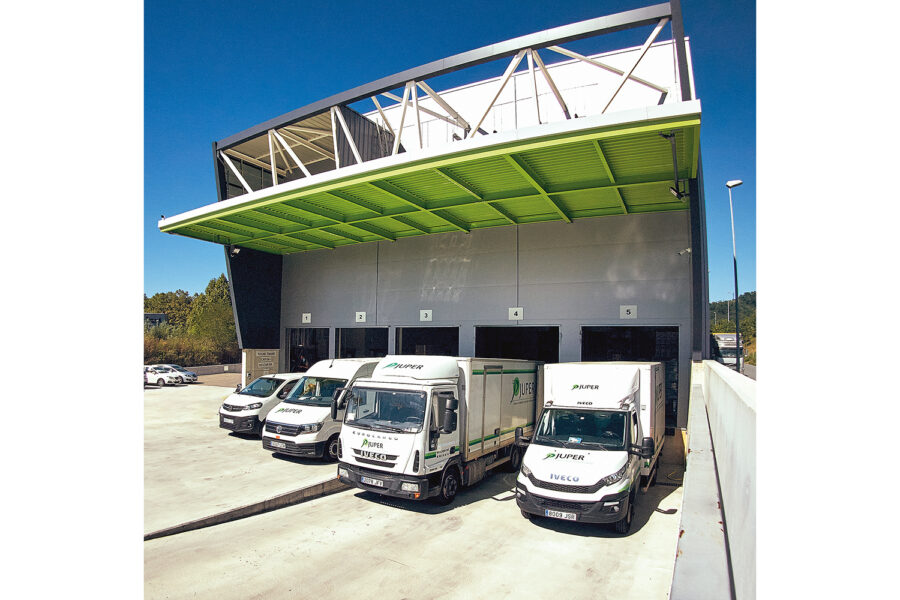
315 391
385 410
594 429
262 387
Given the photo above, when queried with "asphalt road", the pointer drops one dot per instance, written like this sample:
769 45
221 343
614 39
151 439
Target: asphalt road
358 544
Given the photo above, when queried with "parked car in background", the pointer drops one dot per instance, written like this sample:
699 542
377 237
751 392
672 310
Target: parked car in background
161 375
184 376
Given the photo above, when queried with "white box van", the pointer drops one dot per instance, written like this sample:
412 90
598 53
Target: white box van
400 436
601 430
301 425
245 410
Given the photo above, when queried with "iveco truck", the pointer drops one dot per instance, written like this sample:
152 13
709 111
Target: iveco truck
597 440
422 426
301 425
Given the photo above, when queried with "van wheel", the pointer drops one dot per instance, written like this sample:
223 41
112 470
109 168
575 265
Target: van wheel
331 448
449 486
515 459
160 382
623 526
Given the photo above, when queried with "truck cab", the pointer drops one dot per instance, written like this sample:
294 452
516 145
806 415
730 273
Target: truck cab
592 445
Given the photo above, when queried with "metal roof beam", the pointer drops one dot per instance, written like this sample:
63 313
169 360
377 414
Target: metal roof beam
609 174
458 183
331 229
458 223
557 35
503 213
611 69
546 74
304 237
374 230
503 81
410 223
336 110
307 143
460 121
236 172
637 60
405 196
516 164
253 161
356 202
287 148
402 117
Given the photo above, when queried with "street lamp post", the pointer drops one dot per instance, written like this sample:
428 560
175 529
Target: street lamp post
737 322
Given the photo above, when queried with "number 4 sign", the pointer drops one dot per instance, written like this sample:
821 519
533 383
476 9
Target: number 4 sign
516 313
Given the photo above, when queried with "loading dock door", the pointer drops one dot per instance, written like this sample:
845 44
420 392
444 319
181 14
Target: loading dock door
306 347
638 343
528 343
361 342
432 341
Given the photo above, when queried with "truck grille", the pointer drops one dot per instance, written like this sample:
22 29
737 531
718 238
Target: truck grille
552 504
282 428
233 408
559 487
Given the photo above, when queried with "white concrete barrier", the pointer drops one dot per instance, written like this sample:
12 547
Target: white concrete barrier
731 409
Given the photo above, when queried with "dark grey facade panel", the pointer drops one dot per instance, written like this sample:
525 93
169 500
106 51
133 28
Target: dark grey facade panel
255 281
371 140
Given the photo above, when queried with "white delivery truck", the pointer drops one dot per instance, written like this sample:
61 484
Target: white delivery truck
301 425
600 431
422 426
245 410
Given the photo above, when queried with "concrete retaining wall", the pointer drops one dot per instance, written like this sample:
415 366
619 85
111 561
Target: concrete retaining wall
731 409
212 369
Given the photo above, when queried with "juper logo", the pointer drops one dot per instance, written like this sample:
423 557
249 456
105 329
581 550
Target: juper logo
366 442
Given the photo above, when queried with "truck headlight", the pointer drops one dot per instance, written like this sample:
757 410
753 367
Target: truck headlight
525 470
342 472
409 487
309 428
253 406
617 476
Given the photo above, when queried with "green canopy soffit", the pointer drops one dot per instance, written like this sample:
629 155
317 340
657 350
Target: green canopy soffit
613 170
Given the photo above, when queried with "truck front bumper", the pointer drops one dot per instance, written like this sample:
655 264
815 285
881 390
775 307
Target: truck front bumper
387 484
238 424
608 509
287 447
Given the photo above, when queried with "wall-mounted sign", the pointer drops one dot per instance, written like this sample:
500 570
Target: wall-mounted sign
361 317
425 315
517 313
628 311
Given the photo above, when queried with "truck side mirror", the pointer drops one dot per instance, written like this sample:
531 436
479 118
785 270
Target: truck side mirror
449 421
647 448
521 440
452 404
334 409
336 397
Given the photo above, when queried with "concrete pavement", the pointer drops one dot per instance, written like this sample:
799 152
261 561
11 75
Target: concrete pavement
356 543
194 469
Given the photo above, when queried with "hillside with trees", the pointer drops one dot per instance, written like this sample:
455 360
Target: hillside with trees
721 320
199 329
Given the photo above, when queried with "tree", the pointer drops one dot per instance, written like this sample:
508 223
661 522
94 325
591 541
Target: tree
211 315
176 306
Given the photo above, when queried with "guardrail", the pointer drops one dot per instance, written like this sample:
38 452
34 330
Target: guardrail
716 556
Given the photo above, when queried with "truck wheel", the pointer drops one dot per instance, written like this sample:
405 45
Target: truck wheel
449 486
623 526
331 448
160 382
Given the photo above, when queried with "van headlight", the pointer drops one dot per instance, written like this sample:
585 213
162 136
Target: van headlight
617 476
309 428
253 406
525 470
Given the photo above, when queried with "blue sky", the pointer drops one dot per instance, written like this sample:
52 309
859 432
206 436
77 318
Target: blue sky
212 69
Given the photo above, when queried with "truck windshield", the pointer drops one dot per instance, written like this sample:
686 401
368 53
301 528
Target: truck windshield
594 429
385 410
315 391
262 387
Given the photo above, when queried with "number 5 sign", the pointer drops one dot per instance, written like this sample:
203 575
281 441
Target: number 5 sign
628 311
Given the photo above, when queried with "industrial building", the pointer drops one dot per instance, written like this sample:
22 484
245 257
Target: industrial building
554 212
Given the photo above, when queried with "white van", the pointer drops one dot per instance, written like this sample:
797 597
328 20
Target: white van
301 425
600 433
245 410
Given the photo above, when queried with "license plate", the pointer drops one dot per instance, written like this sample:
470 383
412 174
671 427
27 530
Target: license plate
370 481
227 420
556 514
278 444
